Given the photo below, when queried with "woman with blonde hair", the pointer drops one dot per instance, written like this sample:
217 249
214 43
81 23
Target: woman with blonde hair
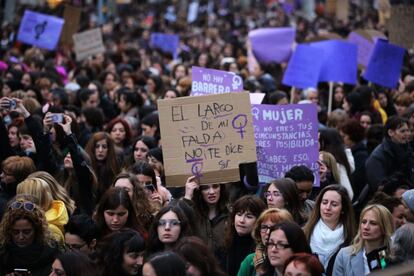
57 190
254 264
55 210
371 246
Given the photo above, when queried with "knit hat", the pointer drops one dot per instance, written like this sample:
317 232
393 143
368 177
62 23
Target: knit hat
408 198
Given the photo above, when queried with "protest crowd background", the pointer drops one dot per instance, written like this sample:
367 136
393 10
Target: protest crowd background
207 137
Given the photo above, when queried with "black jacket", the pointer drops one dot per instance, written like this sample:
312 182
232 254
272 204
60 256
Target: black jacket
387 159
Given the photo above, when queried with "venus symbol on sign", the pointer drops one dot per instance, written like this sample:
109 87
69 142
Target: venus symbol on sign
239 122
40 29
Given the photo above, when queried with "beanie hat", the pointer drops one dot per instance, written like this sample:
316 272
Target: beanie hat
408 198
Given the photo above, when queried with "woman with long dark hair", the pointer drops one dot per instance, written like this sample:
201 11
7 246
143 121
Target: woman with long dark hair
210 204
115 212
240 224
101 150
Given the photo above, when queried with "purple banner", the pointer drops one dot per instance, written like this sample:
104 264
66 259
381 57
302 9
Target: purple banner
272 44
339 61
286 136
40 30
303 68
209 81
384 67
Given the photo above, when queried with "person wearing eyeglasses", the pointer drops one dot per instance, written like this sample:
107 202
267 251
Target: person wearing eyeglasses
25 240
331 225
283 194
169 226
254 264
285 239
81 234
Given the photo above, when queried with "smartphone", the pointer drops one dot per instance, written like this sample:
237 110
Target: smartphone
57 117
150 187
13 104
21 272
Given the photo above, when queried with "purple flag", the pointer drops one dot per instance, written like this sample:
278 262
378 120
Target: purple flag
272 44
384 67
167 42
209 81
40 30
286 136
339 61
303 68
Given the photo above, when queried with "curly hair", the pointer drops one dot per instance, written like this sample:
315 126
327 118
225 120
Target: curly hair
36 218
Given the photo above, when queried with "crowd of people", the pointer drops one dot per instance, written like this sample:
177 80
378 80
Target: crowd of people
83 184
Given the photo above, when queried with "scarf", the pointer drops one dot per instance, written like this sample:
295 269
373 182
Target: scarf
259 259
325 242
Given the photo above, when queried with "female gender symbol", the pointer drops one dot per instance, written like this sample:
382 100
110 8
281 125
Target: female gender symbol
241 119
196 169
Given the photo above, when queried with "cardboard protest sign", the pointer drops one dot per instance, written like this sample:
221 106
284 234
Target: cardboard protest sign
209 81
401 26
286 136
206 136
384 67
272 44
339 61
88 43
166 42
303 68
72 16
40 30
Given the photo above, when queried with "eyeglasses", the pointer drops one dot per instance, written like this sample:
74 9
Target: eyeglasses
26 205
272 245
265 228
74 246
272 194
170 222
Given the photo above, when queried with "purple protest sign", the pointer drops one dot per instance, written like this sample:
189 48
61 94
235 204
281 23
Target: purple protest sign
272 44
40 30
209 81
339 61
303 68
365 47
384 67
167 42
286 136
